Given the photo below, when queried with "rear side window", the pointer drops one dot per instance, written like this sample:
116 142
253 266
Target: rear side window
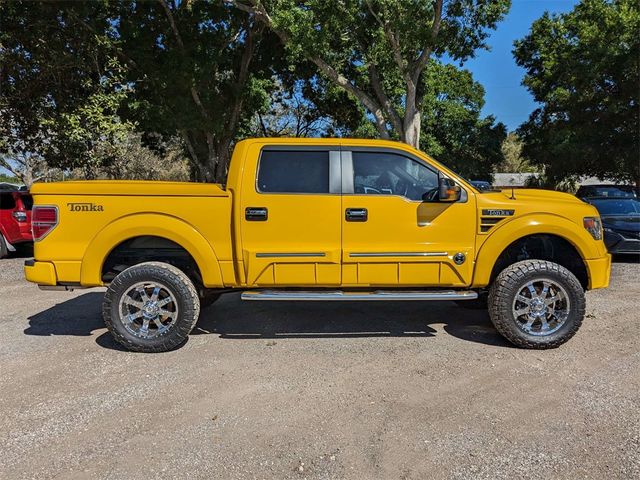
289 171
7 201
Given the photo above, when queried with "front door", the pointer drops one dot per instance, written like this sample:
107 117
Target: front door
391 237
291 210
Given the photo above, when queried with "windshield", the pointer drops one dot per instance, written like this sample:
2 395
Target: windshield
618 207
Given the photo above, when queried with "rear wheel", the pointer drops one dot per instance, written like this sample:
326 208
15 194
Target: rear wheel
536 304
4 250
151 307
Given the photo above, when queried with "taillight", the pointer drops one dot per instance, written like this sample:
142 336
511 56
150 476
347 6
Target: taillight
43 220
20 216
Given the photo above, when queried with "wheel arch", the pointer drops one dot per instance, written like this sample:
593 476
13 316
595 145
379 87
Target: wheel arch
157 225
497 251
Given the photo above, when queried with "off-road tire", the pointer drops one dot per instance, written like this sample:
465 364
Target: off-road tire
4 250
511 280
181 287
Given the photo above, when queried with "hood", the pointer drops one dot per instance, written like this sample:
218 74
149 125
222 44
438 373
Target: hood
529 195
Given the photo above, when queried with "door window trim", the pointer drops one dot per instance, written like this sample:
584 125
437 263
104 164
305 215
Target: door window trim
348 173
334 167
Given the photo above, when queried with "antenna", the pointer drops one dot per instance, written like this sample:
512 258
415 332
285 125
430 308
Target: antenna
513 194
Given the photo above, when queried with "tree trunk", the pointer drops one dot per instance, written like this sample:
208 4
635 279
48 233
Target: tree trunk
412 124
223 154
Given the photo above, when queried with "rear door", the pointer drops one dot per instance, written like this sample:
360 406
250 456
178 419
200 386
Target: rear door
291 217
10 226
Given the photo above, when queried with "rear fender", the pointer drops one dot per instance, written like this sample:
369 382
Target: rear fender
154 224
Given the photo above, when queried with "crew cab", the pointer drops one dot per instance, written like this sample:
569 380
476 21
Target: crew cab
15 220
320 219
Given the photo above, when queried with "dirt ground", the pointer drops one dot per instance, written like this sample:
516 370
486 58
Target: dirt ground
317 391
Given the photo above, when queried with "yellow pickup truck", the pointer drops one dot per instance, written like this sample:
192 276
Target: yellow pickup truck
314 220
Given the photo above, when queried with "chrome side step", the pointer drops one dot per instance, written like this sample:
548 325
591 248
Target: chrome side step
339 295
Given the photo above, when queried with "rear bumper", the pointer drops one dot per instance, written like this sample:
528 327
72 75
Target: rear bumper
42 273
599 270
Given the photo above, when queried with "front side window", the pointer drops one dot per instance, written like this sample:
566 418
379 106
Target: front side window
289 171
382 173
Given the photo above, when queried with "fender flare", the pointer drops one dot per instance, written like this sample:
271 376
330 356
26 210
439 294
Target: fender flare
503 236
153 224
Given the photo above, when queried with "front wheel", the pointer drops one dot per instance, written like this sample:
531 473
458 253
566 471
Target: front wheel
536 304
151 307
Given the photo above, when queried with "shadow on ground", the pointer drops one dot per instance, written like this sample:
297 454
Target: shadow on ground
230 318
626 258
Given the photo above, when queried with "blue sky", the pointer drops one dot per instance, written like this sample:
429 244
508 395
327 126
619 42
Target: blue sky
497 71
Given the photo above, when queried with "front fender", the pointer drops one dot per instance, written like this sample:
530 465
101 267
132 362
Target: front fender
503 236
153 224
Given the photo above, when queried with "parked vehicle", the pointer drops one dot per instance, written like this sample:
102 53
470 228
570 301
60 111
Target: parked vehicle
481 185
621 222
320 219
15 220
596 191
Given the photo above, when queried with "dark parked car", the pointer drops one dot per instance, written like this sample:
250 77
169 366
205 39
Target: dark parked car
481 185
15 220
621 222
593 191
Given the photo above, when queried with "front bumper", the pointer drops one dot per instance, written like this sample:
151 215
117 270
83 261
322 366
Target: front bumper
599 270
42 273
617 243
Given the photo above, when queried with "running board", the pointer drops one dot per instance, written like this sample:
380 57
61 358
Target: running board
333 295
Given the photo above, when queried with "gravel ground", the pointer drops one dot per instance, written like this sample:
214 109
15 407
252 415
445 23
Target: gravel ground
317 391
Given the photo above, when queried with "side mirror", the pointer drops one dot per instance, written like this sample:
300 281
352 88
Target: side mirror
448 191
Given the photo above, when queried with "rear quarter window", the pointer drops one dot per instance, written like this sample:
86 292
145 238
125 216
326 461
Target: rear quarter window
289 171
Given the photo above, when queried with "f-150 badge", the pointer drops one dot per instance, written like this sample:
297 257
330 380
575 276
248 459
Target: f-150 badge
498 213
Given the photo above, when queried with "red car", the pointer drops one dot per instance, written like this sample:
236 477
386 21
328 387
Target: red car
15 220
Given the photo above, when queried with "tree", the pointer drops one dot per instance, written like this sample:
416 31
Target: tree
378 50
455 132
49 66
201 70
514 162
583 67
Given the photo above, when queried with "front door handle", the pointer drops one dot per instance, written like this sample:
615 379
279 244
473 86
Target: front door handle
356 214
256 214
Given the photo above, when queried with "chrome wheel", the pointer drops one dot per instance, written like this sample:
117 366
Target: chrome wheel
541 307
148 309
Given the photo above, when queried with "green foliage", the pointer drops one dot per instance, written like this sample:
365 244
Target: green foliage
201 70
583 67
4 178
92 136
454 131
377 50
513 161
52 61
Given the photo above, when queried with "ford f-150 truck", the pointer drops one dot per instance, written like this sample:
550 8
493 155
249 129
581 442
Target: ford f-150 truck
319 219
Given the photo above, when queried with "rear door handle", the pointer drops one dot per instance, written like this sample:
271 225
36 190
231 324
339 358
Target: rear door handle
256 214
356 214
